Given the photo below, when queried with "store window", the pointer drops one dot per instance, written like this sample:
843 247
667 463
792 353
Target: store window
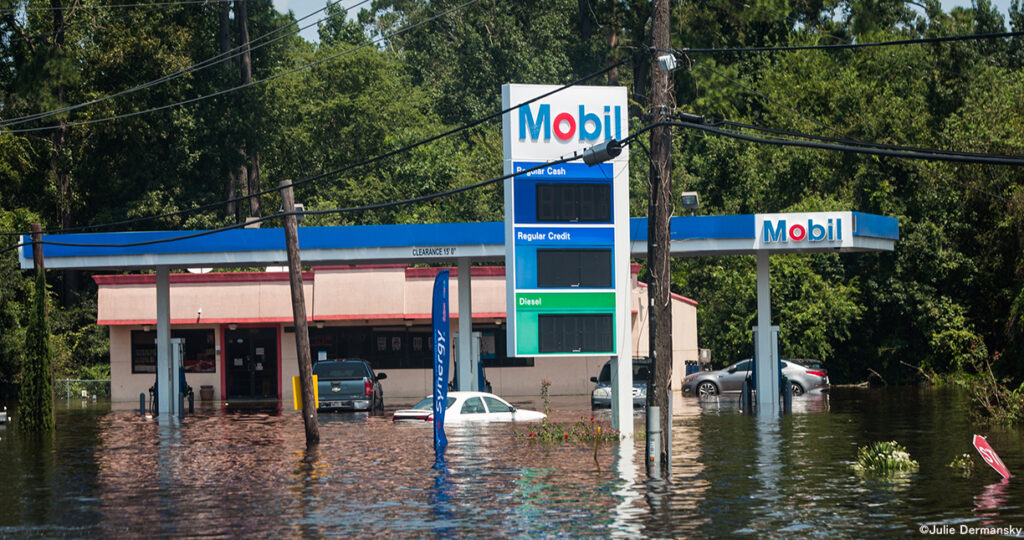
200 355
401 347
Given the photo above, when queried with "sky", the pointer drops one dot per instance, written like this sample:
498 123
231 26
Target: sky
305 7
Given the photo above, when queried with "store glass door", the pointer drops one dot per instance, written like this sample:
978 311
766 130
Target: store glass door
251 363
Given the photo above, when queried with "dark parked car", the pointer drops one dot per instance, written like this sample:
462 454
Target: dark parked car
730 380
602 394
348 384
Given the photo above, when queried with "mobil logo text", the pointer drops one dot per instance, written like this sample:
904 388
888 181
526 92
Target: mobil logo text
821 230
581 123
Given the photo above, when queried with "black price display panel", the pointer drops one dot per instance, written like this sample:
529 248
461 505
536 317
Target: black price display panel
567 268
574 202
576 333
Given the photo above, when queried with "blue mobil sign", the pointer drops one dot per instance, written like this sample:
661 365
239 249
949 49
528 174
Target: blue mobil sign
567 224
803 231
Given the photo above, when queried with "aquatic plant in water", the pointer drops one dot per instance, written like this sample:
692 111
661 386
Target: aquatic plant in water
963 464
584 430
552 432
884 458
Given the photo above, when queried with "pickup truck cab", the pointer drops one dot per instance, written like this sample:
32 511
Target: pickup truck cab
348 384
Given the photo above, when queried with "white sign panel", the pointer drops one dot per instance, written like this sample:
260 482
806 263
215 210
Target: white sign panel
568 121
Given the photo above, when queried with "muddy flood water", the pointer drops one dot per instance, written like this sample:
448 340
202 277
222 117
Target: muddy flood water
246 472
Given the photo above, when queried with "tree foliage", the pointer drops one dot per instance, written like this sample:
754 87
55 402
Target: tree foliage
405 70
35 399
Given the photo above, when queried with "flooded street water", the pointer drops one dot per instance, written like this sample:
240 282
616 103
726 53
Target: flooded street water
247 473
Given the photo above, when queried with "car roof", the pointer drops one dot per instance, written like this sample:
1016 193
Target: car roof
636 361
466 394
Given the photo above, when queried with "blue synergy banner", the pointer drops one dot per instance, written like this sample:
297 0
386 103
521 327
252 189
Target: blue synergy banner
440 331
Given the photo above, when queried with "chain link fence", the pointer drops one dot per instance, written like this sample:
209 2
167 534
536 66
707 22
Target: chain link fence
84 388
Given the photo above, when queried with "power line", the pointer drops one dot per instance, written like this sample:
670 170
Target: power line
114 6
764 97
235 52
246 85
376 206
828 128
368 161
918 41
931 155
867 144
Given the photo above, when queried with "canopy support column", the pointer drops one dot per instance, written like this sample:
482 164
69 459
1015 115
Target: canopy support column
467 371
166 371
767 372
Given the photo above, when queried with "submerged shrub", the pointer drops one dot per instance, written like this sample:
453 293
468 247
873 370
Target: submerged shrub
963 465
884 458
584 430
580 432
994 399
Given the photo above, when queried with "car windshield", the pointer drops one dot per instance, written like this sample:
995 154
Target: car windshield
495 405
339 370
742 366
641 373
428 404
606 374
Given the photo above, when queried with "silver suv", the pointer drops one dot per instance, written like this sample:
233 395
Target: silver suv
601 397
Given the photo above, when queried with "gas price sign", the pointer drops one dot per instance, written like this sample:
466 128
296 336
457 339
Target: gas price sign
567 224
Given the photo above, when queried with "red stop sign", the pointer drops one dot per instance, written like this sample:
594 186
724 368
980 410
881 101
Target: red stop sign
990 456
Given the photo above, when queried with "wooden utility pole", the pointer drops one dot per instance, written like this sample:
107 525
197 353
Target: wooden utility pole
234 173
659 212
35 397
291 236
252 179
37 249
61 141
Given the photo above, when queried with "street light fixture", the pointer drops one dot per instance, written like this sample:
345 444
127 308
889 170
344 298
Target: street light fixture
599 153
667 62
690 200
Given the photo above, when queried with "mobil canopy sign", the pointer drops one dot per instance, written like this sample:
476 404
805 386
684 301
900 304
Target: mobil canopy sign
803 231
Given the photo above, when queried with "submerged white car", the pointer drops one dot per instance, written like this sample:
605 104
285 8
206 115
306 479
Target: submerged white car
470 407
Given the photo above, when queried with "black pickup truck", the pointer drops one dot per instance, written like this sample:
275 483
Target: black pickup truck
348 384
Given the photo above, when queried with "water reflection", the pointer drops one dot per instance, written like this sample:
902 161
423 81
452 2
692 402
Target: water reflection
990 501
308 473
168 473
441 496
627 513
247 472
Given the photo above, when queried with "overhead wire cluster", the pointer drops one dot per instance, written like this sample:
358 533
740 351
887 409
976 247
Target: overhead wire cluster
338 171
844 140
692 122
254 44
114 6
844 145
842 46
833 143
202 65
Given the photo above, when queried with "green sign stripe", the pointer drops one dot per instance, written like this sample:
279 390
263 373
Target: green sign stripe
565 300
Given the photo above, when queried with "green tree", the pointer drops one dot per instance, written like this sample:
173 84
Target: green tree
35 401
15 300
